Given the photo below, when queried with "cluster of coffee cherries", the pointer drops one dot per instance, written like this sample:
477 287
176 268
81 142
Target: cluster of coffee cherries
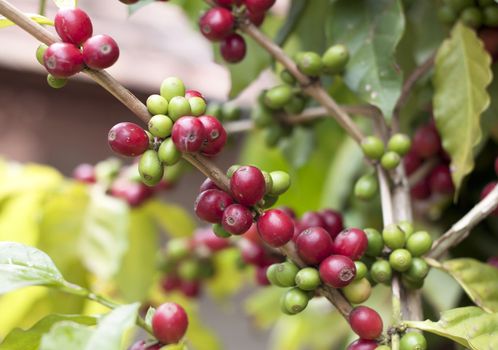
219 24
169 324
489 187
228 111
474 13
408 341
78 49
332 62
177 125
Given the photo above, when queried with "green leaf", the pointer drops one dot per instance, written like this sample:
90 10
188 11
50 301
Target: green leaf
173 219
30 339
22 266
4 22
298 147
468 326
66 335
441 291
293 18
66 3
309 27
371 29
462 73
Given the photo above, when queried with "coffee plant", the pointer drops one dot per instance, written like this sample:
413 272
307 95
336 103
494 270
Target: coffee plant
363 206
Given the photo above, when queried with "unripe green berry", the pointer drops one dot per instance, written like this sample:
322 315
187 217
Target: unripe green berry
268 181
150 168
271 274
490 16
173 172
310 63
400 260
177 249
215 110
233 169
197 106
231 111
272 134
286 274
280 182
472 17
287 77
399 143
375 242
381 272
335 59
262 116
406 227
372 147
296 105
189 270
390 160
278 96
419 243
308 279
366 187
393 237
178 107
219 231
156 104
358 291
40 51
410 283
160 126
171 87
295 300
361 270
168 153
418 269
413 341
447 15
56 83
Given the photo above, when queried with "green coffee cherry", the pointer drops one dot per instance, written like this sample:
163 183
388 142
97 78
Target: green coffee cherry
412 284
472 17
400 260
335 59
160 126
296 105
295 301
286 274
150 168
231 111
413 341
268 181
490 16
310 63
381 272
278 96
168 153
261 116
366 187
459 5
280 182
272 134
172 87
40 51
219 231
361 270
308 279
233 169
393 237
189 270
173 172
447 14
419 243
358 291
287 77
375 242
177 249
56 83
372 147
406 227
271 274
156 104
178 107
399 143
215 110
390 160
418 270
197 106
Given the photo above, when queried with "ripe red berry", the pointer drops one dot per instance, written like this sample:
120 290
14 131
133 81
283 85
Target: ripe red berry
440 180
247 185
73 25
128 139
252 253
314 245
258 6
236 219
256 18
169 323
411 162
191 289
193 93
366 322
421 190
100 52
333 222
84 173
135 193
188 134
485 191
275 227
215 135
208 184
337 271
225 3
143 345
311 219
63 60
233 48
211 204
205 238
217 23
351 242
363 344
170 283
426 142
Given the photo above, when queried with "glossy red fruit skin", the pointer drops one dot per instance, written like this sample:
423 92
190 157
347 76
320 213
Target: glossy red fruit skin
142 345
256 18
275 227
208 184
258 6
205 238
261 278
363 344
337 271
440 180
236 219
225 3
170 283
188 134
311 219
84 173
426 141
366 322
73 25
169 323
247 185
252 253
411 162
191 289
134 193
215 135
63 60
217 23
210 205
100 52
314 245
421 190
332 222
485 191
193 93
233 48
351 242
128 139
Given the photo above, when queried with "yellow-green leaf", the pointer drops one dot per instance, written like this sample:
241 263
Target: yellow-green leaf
173 219
4 22
228 278
462 74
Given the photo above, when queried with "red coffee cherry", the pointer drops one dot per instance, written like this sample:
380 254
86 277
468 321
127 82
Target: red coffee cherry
426 142
84 173
63 60
256 18
259 5
314 245
236 219
143 345
332 222
73 25
252 253
193 93
205 238
247 185
440 180
363 344
411 162
210 205
311 219
337 271
128 139
134 193
351 242
208 184
225 3
217 23
421 190
233 48
275 227
100 52
170 283
191 289
188 134
169 323
366 322
215 135
485 191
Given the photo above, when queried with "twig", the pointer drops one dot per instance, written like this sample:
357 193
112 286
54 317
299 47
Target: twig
42 6
396 311
385 196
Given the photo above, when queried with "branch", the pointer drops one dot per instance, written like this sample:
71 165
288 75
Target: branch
461 229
